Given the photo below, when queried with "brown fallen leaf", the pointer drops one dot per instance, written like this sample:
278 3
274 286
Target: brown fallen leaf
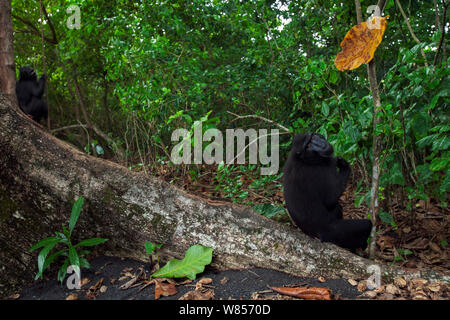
370 294
312 293
352 282
418 282
187 281
362 286
128 284
94 290
391 289
72 296
419 243
84 281
360 43
419 295
205 280
164 288
434 287
434 247
14 296
400 282
204 294
223 280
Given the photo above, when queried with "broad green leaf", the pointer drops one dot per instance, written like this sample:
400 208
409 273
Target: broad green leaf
442 143
426 141
325 109
63 270
52 257
76 210
438 164
45 242
43 254
443 93
333 76
193 263
74 260
90 242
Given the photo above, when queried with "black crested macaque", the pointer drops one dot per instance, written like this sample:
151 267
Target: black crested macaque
29 93
313 182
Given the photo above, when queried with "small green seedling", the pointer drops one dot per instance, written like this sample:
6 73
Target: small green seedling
152 249
73 254
402 252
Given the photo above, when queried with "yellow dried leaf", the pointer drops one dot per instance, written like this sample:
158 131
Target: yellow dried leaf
360 43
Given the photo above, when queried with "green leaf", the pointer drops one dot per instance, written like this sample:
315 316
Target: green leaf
268 210
150 247
426 141
52 257
99 150
438 164
333 76
325 109
359 200
386 217
418 91
74 260
63 271
445 186
405 252
76 210
45 242
420 125
194 262
442 143
43 255
84 263
443 93
90 242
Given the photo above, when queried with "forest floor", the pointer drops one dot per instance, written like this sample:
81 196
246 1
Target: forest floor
112 278
415 240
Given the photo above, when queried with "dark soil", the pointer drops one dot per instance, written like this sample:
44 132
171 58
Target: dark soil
231 284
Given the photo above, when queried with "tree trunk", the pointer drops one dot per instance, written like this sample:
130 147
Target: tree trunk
376 141
40 176
7 68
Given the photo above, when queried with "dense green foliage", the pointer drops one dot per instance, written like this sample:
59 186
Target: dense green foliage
145 68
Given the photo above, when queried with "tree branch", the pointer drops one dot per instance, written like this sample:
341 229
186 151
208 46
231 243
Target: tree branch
411 31
34 30
260 118
442 41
